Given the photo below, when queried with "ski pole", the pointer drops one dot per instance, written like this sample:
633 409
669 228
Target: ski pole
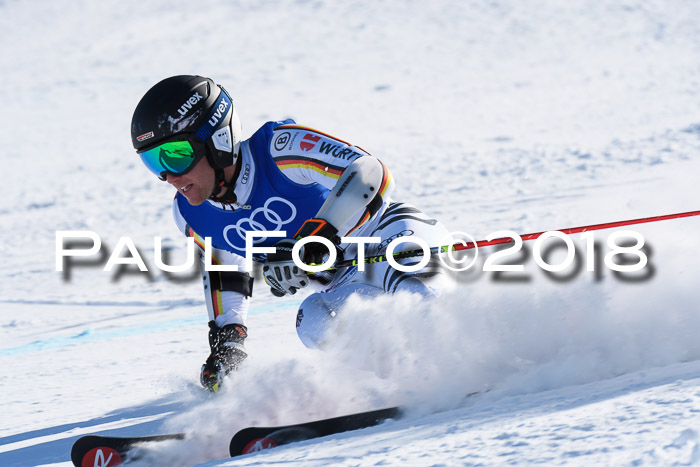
499 241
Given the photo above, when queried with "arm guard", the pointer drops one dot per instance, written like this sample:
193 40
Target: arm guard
361 186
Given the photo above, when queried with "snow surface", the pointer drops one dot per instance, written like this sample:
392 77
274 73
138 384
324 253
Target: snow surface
527 116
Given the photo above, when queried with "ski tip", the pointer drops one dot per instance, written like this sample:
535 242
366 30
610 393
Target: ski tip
89 451
109 451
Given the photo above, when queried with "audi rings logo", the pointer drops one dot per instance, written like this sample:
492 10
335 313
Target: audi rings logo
273 215
246 174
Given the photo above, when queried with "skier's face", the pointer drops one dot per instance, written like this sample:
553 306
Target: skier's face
195 185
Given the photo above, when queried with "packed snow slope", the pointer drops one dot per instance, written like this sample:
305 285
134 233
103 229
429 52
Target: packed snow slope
523 116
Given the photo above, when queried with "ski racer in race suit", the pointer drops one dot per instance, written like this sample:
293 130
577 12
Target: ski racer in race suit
288 178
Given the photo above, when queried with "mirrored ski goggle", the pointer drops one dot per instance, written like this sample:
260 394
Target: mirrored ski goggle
176 157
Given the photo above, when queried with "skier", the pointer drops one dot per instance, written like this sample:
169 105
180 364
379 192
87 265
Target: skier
286 178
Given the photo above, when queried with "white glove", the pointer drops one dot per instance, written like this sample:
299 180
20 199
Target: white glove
280 273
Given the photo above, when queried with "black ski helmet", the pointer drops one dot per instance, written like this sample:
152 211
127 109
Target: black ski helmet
187 105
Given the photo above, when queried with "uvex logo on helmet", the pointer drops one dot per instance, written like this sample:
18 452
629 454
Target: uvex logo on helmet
187 106
223 105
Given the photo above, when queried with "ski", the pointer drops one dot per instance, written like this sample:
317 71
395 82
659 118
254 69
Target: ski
254 439
110 451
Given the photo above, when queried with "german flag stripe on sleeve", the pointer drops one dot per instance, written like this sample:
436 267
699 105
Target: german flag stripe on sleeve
386 179
363 219
216 303
306 128
300 162
199 241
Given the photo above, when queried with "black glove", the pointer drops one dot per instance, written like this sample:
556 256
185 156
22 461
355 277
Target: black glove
227 352
313 253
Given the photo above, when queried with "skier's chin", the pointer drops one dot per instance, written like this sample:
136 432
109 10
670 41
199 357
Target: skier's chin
195 199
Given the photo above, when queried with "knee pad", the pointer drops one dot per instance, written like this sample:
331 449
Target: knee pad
315 319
